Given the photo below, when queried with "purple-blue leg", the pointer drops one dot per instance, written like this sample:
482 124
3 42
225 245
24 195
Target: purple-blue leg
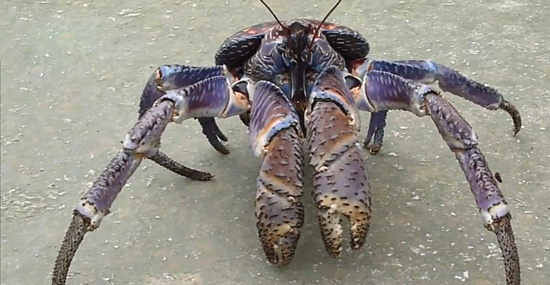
377 124
212 97
169 77
449 80
386 91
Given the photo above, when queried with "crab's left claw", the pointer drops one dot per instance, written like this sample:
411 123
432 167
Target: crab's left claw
275 136
340 181
213 97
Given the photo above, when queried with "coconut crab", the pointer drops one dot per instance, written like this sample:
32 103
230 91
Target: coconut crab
295 82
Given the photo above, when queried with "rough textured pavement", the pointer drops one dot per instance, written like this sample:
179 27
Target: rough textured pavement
72 73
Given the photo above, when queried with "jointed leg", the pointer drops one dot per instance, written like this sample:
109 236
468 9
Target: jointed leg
170 77
428 72
275 136
385 91
210 97
97 201
377 124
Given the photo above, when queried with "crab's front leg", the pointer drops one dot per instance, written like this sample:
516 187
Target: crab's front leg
213 97
276 137
340 181
428 72
385 91
175 76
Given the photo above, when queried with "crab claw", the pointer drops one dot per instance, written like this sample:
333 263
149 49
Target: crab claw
275 136
341 186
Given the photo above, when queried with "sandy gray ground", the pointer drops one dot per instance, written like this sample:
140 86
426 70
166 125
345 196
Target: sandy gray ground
72 73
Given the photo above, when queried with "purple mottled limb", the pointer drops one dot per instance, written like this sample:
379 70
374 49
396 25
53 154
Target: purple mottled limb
462 140
386 91
449 80
170 77
275 136
382 91
212 97
142 141
377 124
97 202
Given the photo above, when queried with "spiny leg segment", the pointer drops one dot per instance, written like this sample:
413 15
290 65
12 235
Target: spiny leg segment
382 91
210 97
429 72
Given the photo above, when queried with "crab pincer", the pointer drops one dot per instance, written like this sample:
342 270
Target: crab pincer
276 137
340 181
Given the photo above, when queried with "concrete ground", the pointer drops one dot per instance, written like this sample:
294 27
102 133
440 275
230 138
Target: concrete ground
72 73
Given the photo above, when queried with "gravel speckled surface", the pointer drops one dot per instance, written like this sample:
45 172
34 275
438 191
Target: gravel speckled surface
73 71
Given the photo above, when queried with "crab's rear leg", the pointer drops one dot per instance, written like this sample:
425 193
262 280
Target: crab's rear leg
212 97
428 72
340 181
276 137
385 91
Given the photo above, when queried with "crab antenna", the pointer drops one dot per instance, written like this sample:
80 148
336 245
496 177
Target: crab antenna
273 14
322 22
329 12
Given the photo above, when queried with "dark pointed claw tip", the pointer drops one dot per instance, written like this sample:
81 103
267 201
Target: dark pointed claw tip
514 113
506 240
220 135
373 149
219 146
214 140
213 133
280 250
73 237
165 161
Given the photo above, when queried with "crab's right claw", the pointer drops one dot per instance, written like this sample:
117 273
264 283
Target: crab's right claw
340 181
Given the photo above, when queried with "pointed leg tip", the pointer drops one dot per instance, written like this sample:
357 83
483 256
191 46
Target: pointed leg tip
514 113
167 162
373 149
505 236
221 148
202 176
